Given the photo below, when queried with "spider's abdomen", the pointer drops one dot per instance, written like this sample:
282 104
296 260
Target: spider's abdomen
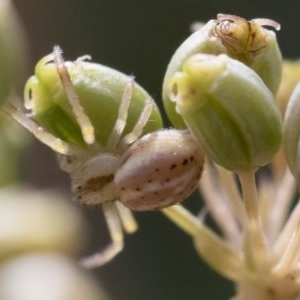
159 170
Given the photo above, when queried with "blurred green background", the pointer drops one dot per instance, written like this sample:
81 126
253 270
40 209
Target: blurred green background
138 37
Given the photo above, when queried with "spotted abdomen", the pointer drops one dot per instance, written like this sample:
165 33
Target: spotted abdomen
159 170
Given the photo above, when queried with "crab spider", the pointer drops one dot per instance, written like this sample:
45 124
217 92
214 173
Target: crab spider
94 147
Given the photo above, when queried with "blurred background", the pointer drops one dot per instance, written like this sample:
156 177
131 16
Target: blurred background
138 37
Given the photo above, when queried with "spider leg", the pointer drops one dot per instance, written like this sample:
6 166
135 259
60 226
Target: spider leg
45 137
140 124
126 217
116 234
122 115
83 120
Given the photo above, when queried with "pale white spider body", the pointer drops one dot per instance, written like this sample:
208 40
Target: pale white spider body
92 183
158 170
93 157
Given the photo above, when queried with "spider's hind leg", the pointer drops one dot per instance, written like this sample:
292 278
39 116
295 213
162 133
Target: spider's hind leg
116 234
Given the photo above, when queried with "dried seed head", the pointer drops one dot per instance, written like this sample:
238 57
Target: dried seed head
159 170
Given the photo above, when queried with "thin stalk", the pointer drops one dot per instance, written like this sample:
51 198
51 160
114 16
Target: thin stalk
286 249
290 257
214 250
183 219
280 205
228 183
256 256
220 208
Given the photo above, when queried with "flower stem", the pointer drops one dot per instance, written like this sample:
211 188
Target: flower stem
213 249
183 219
255 248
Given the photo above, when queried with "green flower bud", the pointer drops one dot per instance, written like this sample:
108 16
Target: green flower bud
13 50
291 131
246 41
100 91
229 110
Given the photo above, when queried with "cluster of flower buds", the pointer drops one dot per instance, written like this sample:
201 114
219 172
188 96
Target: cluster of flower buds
222 85
236 37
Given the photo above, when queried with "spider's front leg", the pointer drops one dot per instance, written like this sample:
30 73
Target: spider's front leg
47 138
87 128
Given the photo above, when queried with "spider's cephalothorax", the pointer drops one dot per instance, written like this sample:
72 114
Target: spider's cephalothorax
90 115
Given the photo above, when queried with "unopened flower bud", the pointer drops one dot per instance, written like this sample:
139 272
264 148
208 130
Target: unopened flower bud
246 41
229 110
100 90
291 132
290 78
